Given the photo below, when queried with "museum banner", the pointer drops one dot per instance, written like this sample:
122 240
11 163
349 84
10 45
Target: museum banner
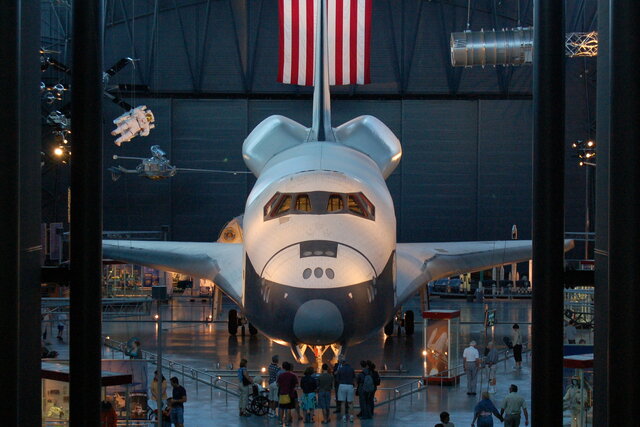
348 36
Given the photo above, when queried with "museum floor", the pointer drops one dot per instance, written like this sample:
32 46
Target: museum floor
208 346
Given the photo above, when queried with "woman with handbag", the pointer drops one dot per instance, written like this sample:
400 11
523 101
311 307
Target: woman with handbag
245 382
287 382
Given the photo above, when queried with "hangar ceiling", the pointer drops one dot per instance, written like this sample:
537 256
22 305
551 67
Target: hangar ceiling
230 47
207 68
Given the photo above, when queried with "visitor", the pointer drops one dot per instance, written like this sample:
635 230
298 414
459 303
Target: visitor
244 382
570 332
517 346
376 382
444 420
273 370
287 382
484 412
176 403
471 358
491 360
345 376
325 384
154 388
309 386
365 388
512 404
108 416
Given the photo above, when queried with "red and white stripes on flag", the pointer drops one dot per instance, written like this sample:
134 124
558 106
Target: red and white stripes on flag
348 36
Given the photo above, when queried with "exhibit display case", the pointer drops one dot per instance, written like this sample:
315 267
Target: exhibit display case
441 346
577 402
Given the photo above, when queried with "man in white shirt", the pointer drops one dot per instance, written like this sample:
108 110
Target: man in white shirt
471 358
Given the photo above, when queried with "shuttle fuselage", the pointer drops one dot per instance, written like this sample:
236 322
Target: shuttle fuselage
319 239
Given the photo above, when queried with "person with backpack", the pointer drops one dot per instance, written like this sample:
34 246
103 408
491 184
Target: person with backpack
365 389
376 382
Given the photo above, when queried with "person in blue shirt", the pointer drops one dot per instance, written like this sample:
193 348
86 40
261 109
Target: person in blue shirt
484 412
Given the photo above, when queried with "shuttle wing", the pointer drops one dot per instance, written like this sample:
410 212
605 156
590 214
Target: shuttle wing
220 262
419 263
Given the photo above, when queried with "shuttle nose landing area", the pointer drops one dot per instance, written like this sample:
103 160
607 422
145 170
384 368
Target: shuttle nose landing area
318 322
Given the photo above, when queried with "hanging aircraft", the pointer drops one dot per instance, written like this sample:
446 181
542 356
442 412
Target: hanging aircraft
319 266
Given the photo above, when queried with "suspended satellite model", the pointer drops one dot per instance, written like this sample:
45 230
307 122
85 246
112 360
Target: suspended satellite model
156 167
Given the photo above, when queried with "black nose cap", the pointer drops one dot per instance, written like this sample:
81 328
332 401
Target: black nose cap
318 322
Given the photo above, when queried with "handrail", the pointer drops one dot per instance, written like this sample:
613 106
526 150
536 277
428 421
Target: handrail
211 380
422 384
216 379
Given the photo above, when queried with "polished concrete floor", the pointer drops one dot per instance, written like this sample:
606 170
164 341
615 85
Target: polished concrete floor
208 346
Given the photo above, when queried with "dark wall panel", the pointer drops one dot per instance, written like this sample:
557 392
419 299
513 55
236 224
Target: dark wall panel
504 169
133 202
439 170
207 134
465 172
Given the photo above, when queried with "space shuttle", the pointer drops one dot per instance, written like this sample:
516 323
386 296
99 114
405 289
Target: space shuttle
319 266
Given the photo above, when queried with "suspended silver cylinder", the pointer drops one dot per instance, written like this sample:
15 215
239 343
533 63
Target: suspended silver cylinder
504 47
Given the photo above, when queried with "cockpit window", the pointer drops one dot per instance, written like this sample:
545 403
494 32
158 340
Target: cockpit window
303 204
335 203
284 205
319 203
270 206
368 206
354 206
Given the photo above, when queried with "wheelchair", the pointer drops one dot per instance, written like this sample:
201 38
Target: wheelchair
258 401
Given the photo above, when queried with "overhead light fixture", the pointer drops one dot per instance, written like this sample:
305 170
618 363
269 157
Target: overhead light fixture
58 151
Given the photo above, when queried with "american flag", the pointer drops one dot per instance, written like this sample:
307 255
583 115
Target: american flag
348 36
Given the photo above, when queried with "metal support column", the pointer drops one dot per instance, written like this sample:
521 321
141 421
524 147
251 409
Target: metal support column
624 206
86 213
601 248
10 205
29 382
548 211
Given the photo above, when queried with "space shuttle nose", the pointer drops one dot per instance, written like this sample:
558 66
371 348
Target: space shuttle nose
318 322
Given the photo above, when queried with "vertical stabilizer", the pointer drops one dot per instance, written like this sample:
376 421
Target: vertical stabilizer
321 129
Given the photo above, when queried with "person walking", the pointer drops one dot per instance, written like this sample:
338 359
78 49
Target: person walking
244 381
325 384
512 404
484 412
345 376
491 360
273 370
517 346
287 382
176 402
309 386
471 358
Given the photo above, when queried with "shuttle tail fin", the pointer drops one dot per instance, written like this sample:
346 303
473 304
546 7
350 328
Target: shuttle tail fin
321 129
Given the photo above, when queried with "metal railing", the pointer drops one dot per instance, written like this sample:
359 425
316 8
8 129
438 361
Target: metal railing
396 393
215 379
211 380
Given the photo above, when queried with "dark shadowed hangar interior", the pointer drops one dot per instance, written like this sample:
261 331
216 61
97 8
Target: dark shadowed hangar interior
208 71
478 143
